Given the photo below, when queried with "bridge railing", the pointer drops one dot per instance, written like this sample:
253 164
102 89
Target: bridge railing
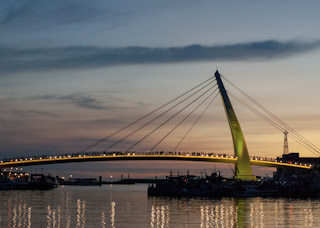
133 153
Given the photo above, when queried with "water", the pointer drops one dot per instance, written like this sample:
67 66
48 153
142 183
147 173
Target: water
129 206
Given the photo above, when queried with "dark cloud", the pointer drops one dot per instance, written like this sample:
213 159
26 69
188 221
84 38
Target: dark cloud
110 102
28 14
80 99
34 113
15 60
101 123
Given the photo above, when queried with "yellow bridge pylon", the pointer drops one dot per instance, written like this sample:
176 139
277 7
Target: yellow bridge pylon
243 170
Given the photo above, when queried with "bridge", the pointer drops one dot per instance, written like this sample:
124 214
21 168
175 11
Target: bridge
240 159
120 156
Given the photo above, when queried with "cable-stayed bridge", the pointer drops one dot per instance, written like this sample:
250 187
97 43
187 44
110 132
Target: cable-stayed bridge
199 97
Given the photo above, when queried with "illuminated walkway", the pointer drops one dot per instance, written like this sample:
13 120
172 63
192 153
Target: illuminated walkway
119 156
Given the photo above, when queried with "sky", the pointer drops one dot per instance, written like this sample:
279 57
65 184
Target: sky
72 72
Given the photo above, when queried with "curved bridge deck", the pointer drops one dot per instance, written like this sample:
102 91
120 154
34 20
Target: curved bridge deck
202 157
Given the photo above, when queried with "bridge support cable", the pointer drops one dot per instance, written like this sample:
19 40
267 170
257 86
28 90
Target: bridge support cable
275 124
158 116
186 117
264 117
286 126
145 116
195 122
177 113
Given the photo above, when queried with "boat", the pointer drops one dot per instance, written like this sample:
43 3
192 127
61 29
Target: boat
11 181
81 181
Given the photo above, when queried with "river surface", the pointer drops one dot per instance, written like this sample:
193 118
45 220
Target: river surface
129 206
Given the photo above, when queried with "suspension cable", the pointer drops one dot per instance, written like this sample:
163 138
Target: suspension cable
182 120
141 118
195 122
157 117
279 127
177 113
315 148
275 124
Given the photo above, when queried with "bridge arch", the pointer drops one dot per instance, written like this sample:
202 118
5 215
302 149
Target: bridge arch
145 156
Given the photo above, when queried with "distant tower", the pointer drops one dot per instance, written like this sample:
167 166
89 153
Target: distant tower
285 145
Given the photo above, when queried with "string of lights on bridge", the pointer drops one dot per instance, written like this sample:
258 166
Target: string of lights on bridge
157 155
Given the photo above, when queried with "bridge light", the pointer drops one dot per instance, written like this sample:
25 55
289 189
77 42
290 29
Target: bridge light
55 157
114 154
133 154
1 161
187 154
50 157
30 158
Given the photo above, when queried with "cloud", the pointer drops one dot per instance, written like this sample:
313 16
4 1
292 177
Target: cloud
34 113
28 14
80 99
112 123
15 60
84 100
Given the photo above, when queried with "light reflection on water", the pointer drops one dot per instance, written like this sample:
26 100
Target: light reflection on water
129 206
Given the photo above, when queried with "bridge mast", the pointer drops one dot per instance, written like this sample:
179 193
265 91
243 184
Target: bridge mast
243 170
